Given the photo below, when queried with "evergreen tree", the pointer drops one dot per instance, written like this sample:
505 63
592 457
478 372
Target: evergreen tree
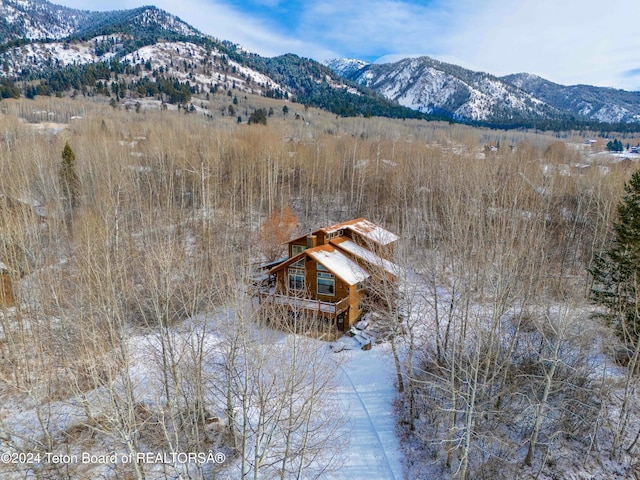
616 273
258 116
615 145
69 181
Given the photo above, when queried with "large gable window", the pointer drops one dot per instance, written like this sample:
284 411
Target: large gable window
296 249
326 284
296 279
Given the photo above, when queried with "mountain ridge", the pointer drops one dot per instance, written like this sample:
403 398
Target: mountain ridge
41 41
431 86
605 104
454 89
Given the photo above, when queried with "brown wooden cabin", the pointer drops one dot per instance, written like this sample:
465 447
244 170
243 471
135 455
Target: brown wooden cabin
329 272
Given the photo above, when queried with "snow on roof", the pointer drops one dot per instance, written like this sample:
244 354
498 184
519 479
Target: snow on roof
366 229
338 263
367 255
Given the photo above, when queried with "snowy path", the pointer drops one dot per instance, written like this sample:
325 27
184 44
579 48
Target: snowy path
367 391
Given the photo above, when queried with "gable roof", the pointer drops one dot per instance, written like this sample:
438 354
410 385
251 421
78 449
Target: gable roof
365 254
365 229
362 226
333 260
338 263
287 262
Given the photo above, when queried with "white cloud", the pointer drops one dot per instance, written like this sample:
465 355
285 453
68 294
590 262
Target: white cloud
564 42
378 27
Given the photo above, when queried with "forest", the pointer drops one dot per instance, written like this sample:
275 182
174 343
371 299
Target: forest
129 242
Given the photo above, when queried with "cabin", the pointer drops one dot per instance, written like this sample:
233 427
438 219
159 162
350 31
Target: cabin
333 272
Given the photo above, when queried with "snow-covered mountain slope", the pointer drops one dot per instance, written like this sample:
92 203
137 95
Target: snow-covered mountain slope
597 103
176 58
184 61
59 37
430 86
38 57
38 19
41 20
346 67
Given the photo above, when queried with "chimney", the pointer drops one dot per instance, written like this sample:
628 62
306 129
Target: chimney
311 241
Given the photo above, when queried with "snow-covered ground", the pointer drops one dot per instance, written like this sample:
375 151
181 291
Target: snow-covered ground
367 392
367 445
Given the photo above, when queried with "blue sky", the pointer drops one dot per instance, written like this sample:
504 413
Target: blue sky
568 42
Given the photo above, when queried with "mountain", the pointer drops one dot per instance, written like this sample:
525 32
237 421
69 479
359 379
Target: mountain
427 85
596 103
430 86
39 20
38 37
48 49
346 67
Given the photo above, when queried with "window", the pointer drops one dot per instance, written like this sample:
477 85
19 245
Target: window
326 284
296 279
296 249
337 233
321 267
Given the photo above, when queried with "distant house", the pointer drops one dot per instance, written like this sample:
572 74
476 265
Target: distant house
330 272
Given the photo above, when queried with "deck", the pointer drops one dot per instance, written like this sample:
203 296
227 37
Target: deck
309 305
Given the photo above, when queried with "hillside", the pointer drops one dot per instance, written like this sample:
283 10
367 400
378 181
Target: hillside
602 104
46 49
41 20
429 86
59 50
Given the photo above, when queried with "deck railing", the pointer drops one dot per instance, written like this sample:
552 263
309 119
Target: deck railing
309 304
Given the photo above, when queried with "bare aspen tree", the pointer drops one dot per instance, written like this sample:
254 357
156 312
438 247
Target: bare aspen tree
142 334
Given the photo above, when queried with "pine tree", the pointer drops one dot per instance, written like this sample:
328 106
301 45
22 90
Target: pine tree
615 145
69 181
616 273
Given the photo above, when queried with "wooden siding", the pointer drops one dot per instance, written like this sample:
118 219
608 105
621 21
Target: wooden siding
341 291
345 300
355 298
